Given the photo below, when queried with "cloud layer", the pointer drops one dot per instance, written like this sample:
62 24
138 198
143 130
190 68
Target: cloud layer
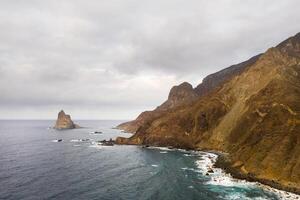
114 59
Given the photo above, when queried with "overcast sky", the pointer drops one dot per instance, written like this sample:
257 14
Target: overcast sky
107 59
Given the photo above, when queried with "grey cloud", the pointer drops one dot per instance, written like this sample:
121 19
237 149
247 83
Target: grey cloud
122 57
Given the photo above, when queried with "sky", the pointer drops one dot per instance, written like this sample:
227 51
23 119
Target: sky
100 59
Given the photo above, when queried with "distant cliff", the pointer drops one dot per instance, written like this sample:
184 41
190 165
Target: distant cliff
250 110
64 121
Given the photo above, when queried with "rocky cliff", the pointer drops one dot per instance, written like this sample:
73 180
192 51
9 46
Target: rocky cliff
185 94
215 80
180 95
64 121
254 116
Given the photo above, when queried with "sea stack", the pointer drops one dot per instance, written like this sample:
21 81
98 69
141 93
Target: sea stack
64 121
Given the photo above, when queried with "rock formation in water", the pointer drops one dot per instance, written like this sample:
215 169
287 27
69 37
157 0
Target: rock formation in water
253 114
64 121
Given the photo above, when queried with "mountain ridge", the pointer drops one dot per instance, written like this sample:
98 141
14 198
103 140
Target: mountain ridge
246 116
208 84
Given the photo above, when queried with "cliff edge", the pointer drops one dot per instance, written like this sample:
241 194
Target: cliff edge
254 116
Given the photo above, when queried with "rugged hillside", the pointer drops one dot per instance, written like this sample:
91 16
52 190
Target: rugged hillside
254 116
64 121
180 95
185 94
217 79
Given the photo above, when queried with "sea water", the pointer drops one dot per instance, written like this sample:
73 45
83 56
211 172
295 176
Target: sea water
35 165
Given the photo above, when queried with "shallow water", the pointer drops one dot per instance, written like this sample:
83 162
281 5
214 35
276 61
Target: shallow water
33 165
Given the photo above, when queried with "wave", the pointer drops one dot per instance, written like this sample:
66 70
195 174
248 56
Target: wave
161 148
60 140
81 140
96 146
217 176
163 152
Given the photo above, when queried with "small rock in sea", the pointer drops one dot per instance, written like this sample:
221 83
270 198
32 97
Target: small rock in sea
107 143
210 170
207 174
64 122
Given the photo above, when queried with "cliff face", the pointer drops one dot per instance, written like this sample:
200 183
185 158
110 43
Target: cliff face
254 116
64 121
185 94
215 80
180 95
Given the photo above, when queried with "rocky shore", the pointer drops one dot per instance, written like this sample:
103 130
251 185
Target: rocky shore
224 163
250 110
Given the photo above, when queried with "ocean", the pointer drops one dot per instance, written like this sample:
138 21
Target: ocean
34 165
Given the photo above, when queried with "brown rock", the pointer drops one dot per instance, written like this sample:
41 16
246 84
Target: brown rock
180 95
254 115
64 121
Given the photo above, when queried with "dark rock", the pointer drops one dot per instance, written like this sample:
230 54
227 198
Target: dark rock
107 143
97 132
210 170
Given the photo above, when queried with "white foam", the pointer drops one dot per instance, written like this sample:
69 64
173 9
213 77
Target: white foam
81 140
154 165
280 193
163 152
190 155
96 146
56 141
238 196
219 177
161 148
75 140
190 169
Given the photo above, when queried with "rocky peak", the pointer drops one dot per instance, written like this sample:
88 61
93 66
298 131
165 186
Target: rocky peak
291 46
64 121
63 114
180 94
181 91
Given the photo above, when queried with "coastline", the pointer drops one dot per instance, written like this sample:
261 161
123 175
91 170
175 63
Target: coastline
214 160
224 163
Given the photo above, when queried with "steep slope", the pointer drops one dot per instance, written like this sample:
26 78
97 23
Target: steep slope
254 116
217 79
184 94
180 95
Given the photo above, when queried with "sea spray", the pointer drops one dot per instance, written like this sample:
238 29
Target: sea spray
219 177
